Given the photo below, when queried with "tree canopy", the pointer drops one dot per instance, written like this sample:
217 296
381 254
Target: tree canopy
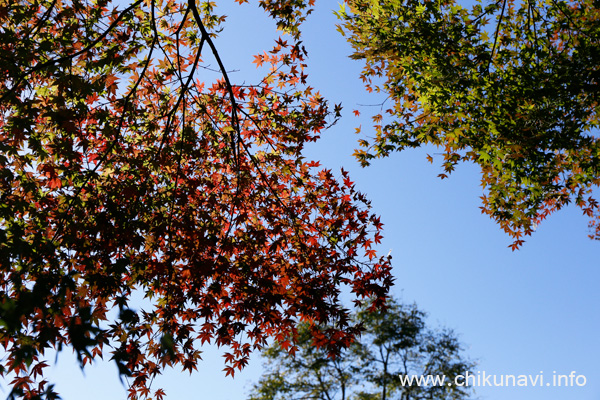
511 86
131 162
395 343
126 167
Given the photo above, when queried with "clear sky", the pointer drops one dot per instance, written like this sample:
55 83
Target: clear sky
522 312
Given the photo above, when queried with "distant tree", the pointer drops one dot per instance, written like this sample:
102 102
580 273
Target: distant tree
519 97
130 161
394 343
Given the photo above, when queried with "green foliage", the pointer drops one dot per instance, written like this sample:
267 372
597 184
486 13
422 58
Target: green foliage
394 342
518 97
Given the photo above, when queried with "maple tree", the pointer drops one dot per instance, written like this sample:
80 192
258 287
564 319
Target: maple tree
395 343
125 169
511 86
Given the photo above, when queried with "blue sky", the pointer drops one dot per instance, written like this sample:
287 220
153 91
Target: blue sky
520 312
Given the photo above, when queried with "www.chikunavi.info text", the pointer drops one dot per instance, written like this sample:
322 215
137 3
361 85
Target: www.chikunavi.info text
481 379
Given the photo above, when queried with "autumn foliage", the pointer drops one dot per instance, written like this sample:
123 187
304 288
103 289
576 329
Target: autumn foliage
124 170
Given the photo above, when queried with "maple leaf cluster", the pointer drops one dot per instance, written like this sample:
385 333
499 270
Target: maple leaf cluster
509 86
124 170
